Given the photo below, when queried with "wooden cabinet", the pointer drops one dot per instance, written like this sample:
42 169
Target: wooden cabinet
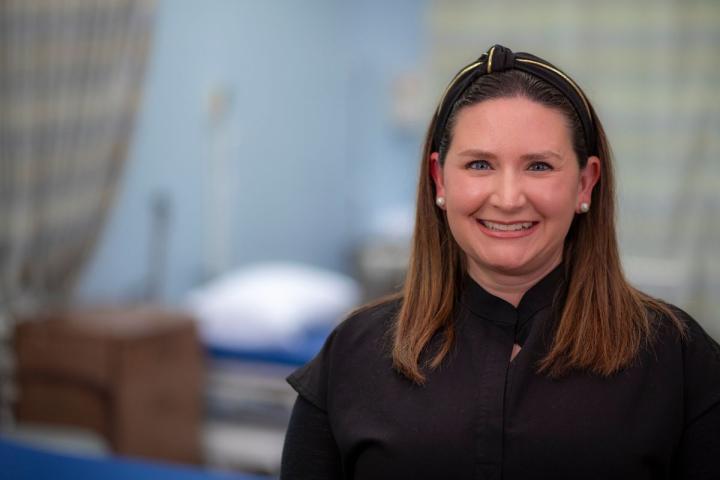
133 375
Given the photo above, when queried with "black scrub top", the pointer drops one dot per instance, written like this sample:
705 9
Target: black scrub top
482 416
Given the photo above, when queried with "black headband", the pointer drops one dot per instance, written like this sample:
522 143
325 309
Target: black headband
500 59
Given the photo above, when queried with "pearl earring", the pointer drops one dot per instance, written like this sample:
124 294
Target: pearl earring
584 207
440 202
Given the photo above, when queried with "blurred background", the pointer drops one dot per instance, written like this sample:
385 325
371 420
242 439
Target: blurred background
194 192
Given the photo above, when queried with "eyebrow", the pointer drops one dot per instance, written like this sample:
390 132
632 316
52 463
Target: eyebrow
542 155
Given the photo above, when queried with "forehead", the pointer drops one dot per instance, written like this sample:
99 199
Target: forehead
511 125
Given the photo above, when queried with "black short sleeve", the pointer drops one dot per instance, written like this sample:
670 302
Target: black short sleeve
357 347
311 380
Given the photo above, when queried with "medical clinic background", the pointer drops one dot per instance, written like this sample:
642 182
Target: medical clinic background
194 193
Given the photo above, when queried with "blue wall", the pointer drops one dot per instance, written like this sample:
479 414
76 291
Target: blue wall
311 155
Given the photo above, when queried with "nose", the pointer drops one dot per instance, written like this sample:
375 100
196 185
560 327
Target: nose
508 193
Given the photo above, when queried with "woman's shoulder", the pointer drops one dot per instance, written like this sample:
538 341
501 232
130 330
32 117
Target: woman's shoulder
370 322
359 345
679 331
683 329
699 354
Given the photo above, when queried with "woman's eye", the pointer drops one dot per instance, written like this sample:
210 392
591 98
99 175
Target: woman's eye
479 165
539 167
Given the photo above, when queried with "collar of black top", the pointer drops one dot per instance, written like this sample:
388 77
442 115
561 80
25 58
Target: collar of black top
548 291
500 59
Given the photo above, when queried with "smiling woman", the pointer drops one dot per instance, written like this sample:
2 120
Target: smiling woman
517 348
512 192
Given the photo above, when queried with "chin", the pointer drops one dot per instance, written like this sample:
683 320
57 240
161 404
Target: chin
510 266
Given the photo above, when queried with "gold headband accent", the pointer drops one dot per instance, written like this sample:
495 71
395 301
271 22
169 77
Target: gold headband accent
565 77
460 74
490 57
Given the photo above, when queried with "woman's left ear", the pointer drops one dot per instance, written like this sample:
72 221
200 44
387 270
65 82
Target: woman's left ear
589 176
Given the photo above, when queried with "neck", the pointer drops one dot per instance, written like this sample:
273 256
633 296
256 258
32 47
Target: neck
508 286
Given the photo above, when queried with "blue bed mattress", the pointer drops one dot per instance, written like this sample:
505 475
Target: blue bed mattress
295 354
19 461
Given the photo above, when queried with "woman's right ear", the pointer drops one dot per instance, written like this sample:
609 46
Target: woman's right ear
437 174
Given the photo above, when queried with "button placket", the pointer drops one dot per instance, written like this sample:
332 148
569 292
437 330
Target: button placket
492 363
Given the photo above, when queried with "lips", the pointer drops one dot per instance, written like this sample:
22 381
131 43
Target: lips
506 227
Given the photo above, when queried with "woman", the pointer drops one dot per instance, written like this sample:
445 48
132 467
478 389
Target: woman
517 349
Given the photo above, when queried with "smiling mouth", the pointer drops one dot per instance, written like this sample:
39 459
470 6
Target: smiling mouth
507 227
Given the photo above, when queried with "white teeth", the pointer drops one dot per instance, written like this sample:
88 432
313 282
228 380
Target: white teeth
501 227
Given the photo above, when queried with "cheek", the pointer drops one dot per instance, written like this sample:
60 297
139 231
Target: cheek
555 199
465 195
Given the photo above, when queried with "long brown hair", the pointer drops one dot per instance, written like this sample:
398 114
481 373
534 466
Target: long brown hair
603 321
